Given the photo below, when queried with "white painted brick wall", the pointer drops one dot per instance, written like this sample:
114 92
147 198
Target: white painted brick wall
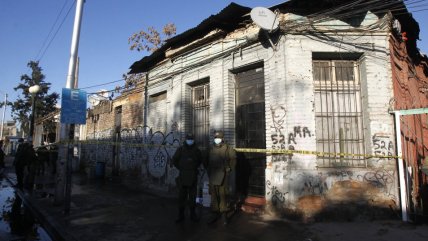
289 101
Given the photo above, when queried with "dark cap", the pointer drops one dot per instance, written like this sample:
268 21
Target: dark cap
218 134
189 136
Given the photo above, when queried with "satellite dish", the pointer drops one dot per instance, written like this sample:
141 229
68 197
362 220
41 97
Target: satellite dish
93 100
264 18
103 93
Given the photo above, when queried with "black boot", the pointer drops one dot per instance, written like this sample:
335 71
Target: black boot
180 217
193 215
214 217
225 218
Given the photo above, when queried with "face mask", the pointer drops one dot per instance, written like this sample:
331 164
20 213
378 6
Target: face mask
217 141
190 142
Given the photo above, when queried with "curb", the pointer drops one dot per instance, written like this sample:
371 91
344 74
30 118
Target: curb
56 232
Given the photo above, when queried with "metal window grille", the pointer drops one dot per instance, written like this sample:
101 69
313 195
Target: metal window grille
201 110
157 112
339 120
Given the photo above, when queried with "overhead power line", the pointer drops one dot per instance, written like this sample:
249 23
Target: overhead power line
50 31
56 32
93 86
344 11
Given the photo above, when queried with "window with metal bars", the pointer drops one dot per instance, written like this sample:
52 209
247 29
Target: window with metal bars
338 114
201 111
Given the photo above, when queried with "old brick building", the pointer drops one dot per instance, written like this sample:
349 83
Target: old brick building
307 105
410 82
106 121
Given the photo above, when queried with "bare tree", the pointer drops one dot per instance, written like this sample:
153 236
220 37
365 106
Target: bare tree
151 40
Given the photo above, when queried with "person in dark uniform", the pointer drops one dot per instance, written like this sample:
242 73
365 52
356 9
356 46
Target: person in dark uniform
31 162
19 163
187 159
220 162
25 155
2 158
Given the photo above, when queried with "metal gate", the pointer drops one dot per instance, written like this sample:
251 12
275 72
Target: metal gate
250 131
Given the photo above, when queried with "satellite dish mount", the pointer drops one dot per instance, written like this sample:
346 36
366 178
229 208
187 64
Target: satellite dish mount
266 20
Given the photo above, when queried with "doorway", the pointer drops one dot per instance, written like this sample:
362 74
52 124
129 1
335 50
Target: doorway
250 131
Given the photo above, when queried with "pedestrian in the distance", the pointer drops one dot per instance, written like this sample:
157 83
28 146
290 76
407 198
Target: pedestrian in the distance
220 162
20 164
32 163
187 159
2 157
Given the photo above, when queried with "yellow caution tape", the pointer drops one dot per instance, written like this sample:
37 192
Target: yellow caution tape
247 150
317 153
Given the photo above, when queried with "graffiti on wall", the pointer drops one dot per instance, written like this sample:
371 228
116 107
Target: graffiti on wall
160 150
138 148
300 132
101 150
313 184
341 175
382 145
278 120
274 194
153 152
381 179
278 137
299 184
129 155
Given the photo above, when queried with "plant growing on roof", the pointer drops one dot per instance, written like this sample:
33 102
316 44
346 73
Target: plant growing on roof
151 40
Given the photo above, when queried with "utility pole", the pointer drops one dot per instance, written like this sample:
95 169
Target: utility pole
2 120
65 152
146 103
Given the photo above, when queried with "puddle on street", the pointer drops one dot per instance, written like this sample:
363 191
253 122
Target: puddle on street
16 221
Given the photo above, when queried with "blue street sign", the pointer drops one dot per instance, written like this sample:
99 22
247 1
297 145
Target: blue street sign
73 106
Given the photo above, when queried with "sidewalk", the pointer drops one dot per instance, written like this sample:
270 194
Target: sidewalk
120 210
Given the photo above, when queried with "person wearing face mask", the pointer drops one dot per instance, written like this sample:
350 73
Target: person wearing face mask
187 159
220 162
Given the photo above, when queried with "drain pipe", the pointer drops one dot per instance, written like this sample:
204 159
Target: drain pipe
401 173
402 182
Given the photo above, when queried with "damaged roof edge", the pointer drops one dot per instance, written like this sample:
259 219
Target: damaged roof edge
227 19
233 15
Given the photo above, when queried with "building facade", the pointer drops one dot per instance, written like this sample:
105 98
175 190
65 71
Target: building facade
410 81
307 107
9 129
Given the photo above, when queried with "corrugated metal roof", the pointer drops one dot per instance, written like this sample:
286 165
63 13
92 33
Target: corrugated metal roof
233 15
380 8
227 19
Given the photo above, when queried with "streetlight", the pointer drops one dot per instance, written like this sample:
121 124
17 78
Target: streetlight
33 91
4 111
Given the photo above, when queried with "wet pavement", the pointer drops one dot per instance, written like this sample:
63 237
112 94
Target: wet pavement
121 209
16 221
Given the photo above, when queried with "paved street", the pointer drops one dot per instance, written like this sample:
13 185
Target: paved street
121 210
